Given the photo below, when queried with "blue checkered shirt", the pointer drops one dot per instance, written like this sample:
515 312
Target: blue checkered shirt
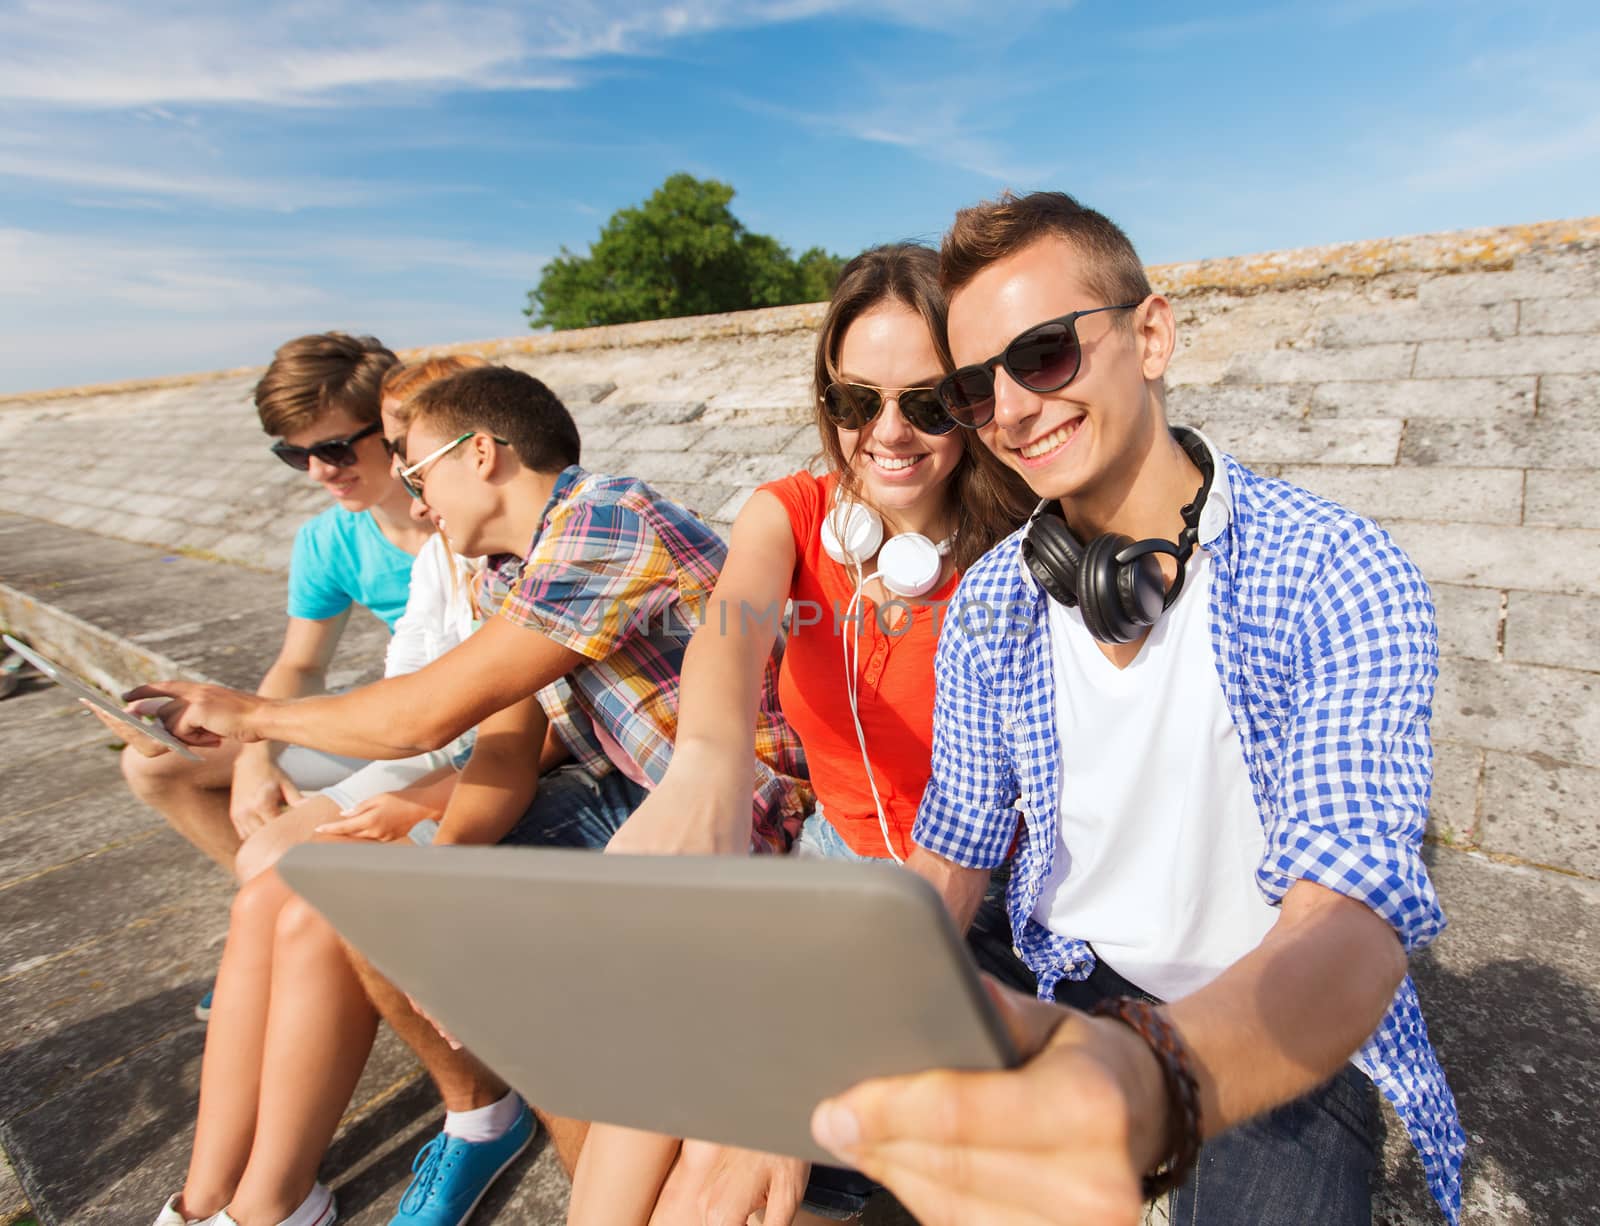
1323 632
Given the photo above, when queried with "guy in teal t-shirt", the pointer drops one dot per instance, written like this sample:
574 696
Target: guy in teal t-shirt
341 558
320 398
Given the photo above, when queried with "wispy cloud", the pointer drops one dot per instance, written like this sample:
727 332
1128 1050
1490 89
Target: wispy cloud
1538 110
404 254
146 186
107 307
105 54
45 269
939 121
96 54
1171 35
1495 151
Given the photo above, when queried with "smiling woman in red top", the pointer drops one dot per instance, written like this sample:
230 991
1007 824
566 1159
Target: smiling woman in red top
866 552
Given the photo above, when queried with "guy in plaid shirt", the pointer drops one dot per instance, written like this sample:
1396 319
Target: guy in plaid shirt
1242 841
587 632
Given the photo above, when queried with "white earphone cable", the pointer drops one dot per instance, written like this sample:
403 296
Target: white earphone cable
853 690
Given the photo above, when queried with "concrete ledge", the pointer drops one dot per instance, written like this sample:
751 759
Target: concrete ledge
144 614
1488 249
98 655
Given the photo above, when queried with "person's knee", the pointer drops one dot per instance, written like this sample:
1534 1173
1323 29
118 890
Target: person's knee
302 928
153 777
258 902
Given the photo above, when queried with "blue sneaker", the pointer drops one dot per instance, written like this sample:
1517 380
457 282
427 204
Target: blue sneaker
202 1011
452 1175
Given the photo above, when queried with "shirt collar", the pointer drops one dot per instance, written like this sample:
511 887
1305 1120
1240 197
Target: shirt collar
1217 513
565 480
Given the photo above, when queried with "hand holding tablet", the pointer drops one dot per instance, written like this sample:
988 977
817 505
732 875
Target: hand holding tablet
101 703
201 714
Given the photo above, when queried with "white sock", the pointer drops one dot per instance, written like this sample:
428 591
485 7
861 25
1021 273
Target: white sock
485 1123
312 1210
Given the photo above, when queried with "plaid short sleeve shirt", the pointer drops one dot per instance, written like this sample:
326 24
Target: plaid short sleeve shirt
1323 637
621 576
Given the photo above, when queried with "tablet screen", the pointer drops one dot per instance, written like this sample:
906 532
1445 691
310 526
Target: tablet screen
78 688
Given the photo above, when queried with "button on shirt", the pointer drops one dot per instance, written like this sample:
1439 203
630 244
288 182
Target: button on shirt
1322 633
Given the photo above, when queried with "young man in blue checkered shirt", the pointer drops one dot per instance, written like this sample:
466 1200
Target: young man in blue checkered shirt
1211 765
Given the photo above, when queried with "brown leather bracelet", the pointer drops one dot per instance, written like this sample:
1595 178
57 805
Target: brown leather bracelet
1183 1095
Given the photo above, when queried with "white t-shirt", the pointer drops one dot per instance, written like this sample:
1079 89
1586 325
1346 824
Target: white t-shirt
1160 835
439 613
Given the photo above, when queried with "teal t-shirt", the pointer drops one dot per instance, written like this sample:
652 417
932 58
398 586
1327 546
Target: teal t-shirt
342 557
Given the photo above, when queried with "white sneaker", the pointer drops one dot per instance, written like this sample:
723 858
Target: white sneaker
170 1216
317 1209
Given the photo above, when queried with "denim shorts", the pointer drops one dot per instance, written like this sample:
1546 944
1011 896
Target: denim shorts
841 1194
571 809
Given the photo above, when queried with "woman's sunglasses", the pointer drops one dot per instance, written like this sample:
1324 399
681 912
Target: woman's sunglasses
339 452
852 405
1045 358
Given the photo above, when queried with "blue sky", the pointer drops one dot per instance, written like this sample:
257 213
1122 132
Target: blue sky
185 183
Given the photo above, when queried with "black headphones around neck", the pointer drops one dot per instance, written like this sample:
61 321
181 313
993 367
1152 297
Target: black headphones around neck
1114 581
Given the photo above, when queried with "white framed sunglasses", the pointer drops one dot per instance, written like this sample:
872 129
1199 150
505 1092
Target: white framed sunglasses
405 474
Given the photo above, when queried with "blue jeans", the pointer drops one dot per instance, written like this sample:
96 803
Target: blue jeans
571 809
839 1193
1310 1160
574 809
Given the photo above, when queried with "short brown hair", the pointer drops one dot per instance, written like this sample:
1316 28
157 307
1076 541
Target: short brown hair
995 229
312 375
405 380
508 404
989 498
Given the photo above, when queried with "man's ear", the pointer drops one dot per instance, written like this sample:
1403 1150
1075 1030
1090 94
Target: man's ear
486 458
1157 335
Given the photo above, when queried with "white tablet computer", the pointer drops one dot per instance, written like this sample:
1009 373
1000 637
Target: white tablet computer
718 998
78 688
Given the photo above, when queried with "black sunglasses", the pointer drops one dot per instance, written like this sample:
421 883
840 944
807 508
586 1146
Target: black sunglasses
852 405
1044 358
340 452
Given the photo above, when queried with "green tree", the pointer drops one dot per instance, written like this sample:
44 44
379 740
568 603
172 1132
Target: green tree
681 252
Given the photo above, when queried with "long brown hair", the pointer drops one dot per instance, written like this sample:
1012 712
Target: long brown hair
990 500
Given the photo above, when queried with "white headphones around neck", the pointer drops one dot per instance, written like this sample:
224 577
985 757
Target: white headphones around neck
909 565
908 562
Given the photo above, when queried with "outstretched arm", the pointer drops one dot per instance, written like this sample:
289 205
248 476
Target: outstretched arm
703 803
394 718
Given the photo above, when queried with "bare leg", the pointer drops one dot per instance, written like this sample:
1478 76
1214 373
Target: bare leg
678 1203
619 1176
192 796
296 824
464 1082
319 1032
230 1074
567 1136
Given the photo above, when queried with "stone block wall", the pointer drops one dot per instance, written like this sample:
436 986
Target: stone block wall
1449 386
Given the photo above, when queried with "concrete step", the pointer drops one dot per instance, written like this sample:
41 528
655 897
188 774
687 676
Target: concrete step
121 613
